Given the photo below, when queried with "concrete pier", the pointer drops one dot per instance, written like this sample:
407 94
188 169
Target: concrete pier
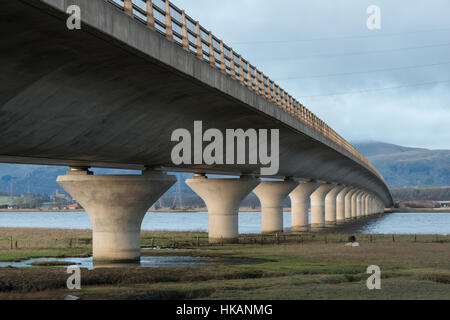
368 207
355 203
318 205
330 205
359 204
271 194
223 198
349 203
365 205
116 205
300 198
340 204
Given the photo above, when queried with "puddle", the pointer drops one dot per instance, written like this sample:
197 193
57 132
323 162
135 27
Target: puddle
146 262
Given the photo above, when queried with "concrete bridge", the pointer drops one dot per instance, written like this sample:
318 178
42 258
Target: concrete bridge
111 94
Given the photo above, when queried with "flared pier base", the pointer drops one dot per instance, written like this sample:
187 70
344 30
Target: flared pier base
116 205
318 206
271 194
300 203
223 198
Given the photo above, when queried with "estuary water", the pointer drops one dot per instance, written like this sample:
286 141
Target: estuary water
249 222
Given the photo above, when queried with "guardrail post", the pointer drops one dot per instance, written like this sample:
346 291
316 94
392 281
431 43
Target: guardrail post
249 77
128 7
184 31
232 67
199 41
263 87
150 18
169 32
256 83
291 105
241 70
283 99
278 94
212 58
223 66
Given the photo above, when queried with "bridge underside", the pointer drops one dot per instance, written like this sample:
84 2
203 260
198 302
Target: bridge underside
83 98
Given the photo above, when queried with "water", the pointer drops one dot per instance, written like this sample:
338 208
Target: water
249 222
411 223
146 262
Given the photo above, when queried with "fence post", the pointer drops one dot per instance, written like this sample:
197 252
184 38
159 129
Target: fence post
150 18
249 76
232 67
128 7
169 32
212 58
11 242
263 86
241 71
184 31
256 82
223 66
199 42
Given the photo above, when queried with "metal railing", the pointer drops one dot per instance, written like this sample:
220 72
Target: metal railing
164 17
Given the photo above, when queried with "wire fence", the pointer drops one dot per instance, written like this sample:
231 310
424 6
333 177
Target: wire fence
13 243
164 17
202 240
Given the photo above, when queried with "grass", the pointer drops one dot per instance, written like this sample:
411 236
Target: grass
294 267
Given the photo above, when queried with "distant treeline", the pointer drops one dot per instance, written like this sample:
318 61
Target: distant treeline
423 193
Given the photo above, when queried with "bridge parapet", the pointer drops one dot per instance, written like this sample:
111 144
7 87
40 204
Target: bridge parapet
164 17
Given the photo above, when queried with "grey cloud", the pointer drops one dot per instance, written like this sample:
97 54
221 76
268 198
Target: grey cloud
412 116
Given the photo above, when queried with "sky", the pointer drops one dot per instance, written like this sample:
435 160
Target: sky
389 85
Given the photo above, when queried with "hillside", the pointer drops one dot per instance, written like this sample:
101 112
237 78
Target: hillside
422 193
403 166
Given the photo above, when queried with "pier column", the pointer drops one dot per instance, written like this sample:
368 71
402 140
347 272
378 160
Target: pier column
363 205
318 205
223 198
372 204
349 203
299 204
359 204
340 205
271 194
330 205
355 203
366 205
116 205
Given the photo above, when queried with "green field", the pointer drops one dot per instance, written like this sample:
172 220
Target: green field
287 267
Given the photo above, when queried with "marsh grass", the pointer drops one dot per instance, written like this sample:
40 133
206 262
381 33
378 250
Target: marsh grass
307 266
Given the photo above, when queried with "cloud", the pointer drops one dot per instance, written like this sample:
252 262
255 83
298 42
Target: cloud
290 38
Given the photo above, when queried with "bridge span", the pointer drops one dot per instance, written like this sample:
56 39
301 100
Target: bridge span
111 94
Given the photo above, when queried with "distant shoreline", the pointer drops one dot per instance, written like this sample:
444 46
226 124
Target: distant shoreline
421 210
243 209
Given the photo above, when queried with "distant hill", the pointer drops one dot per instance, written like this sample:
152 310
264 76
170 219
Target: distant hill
421 193
42 179
401 167
404 167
